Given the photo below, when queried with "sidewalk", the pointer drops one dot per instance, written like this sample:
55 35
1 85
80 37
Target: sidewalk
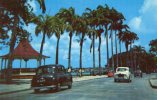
153 81
24 84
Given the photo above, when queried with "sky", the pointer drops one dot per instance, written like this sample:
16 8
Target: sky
140 15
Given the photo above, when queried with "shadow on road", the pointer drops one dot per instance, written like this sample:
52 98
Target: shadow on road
48 91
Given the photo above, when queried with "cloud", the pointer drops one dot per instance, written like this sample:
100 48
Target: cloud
148 5
135 23
146 22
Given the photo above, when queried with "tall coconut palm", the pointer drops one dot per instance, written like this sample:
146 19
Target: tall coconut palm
121 31
104 18
69 17
43 26
57 27
99 33
92 22
128 38
117 19
137 51
133 38
81 31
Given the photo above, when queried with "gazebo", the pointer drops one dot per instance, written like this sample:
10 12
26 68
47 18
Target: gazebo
24 51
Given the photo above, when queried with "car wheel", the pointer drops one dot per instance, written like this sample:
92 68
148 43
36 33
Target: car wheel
69 86
115 80
58 87
36 90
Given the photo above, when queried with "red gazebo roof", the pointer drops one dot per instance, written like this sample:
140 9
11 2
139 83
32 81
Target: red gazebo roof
24 51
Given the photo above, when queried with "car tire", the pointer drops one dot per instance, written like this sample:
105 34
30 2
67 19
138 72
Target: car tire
58 86
115 80
70 86
36 90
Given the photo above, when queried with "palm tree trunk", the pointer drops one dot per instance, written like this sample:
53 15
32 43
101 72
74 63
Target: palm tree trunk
93 50
81 45
116 47
126 54
69 55
57 48
131 56
106 33
41 48
112 50
120 56
12 45
99 50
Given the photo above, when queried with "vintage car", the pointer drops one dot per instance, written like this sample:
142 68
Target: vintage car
138 73
51 77
110 73
122 74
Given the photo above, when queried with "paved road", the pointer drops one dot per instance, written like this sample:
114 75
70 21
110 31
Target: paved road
97 89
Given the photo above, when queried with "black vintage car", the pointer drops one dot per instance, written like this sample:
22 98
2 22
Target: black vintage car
138 72
51 77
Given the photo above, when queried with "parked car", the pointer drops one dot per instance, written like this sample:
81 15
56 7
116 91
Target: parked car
138 72
122 74
110 73
51 77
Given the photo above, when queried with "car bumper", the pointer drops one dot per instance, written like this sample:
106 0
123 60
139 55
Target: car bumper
122 78
43 87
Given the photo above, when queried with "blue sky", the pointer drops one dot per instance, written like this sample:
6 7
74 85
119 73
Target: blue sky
140 15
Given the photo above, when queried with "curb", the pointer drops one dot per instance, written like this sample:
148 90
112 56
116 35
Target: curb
2 93
89 79
153 86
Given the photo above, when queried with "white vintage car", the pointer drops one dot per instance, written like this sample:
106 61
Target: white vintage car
122 74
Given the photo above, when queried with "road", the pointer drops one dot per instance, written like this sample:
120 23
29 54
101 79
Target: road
96 89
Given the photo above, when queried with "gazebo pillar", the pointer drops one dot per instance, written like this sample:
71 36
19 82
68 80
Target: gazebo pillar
25 64
1 64
20 65
5 67
44 61
37 63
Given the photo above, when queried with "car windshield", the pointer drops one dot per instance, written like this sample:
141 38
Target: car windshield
46 70
121 69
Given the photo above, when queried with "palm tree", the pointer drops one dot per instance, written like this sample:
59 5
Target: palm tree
16 11
137 51
69 17
133 38
99 33
153 46
44 27
42 5
104 18
121 31
57 27
92 21
81 31
128 38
